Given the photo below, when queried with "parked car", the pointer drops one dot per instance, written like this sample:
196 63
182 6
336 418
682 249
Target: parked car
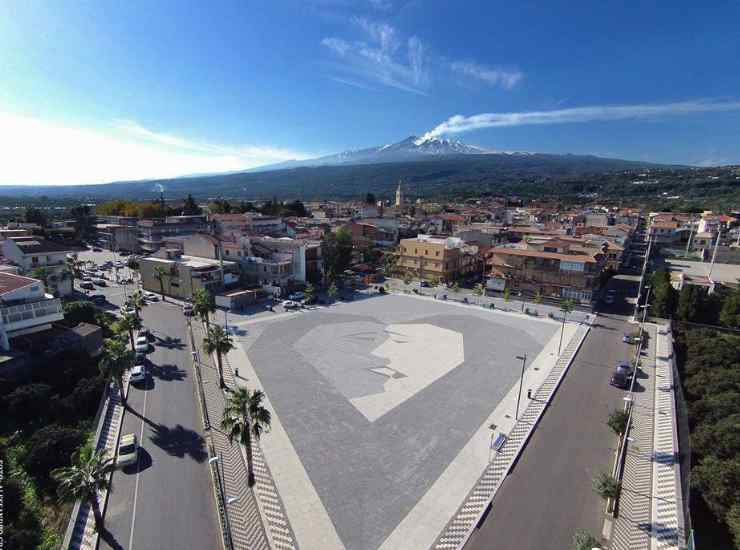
290 304
128 450
423 284
98 299
187 310
87 285
609 300
140 358
296 296
142 344
150 296
622 376
100 282
630 339
138 374
97 249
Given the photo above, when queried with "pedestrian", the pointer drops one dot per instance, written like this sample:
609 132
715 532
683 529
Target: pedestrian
236 373
529 394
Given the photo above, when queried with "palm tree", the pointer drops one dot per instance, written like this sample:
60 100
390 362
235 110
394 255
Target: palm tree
203 305
218 341
161 273
136 300
310 293
566 306
42 273
87 475
114 362
244 417
129 323
74 266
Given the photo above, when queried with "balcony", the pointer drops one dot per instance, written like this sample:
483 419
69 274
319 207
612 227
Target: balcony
31 314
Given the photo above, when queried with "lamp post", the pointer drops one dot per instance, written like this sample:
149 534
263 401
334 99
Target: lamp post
523 359
224 500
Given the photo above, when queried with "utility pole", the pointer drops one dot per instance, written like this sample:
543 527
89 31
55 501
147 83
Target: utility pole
714 255
642 276
521 382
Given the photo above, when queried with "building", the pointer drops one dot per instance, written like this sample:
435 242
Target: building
550 274
36 255
25 307
399 196
443 259
185 274
368 235
153 233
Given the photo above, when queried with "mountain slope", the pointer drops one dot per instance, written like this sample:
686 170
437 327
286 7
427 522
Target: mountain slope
410 149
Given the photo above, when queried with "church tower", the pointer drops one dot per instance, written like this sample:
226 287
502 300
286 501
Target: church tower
399 196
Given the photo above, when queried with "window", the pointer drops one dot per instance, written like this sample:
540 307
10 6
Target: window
426 253
436 253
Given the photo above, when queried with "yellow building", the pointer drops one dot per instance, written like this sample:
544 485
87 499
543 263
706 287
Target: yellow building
441 259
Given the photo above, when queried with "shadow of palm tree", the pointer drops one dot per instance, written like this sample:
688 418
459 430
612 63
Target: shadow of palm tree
110 540
169 342
180 441
144 418
168 372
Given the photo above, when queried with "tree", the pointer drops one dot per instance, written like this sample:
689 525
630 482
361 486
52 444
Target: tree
478 290
370 199
84 221
729 315
37 216
42 273
190 207
87 475
310 293
79 312
507 294
688 303
136 301
618 421
161 273
114 362
566 306
606 486
203 305
664 296
218 341
219 206
48 448
129 323
74 266
244 417
584 540
333 291
336 251
538 297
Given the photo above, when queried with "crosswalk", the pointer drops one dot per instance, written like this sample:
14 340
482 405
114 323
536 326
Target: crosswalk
459 528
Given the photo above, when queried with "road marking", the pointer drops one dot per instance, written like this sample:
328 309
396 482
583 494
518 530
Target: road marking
138 472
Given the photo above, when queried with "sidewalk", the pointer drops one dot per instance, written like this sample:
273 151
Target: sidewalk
650 513
252 510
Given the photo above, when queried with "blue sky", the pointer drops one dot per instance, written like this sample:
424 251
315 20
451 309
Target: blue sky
101 91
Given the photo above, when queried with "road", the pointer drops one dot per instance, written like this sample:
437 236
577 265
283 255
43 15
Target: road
166 501
548 495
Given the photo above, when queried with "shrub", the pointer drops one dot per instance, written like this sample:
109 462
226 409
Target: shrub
49 448
25 401
618 421
583 540
606 486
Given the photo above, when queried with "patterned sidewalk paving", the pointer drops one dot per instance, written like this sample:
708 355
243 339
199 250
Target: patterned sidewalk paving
246 514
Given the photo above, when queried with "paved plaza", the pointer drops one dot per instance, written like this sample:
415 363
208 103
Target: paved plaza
381 410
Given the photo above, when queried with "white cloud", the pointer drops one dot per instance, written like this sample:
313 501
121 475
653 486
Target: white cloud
493 77
459 123
37 152
380 58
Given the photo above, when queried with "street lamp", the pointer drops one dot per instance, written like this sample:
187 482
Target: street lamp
523 359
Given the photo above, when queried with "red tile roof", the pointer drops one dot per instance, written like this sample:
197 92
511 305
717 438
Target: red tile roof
10 282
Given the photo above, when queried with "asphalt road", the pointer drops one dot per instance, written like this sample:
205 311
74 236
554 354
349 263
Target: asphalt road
166 501
549 495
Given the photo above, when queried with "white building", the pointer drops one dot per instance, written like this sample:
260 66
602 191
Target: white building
34 253
25 307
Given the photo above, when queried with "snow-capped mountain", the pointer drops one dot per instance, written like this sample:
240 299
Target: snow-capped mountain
411 148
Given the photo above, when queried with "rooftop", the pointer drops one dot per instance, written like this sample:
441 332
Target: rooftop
35 245
10 282
549 255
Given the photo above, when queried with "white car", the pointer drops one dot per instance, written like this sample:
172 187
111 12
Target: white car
128 450
150 296
128 310
138 374
290 304
142 344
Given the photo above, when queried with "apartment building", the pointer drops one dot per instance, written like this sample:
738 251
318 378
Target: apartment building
185 274
36 255
154 232
25 307
365 234
551 274
438 258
